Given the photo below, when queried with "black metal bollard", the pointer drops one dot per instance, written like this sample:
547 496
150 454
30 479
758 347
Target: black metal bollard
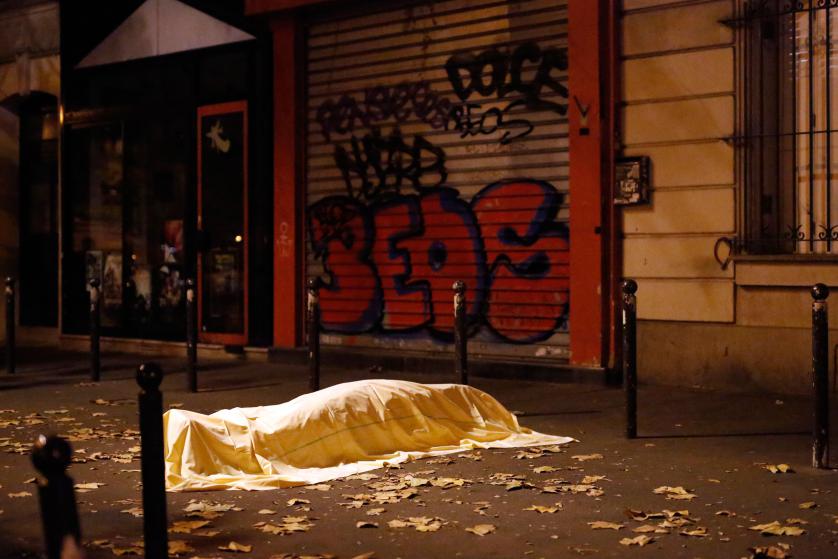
460 333
313 315
149 377
51 456
630 355
191 337
820 376
95 331
10 325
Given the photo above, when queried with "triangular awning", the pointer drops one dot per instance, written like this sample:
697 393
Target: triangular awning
160 27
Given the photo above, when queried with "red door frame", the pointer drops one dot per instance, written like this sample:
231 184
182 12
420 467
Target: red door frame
594 261
216 337
590 112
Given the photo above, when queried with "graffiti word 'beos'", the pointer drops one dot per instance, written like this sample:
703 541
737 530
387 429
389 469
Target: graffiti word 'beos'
376 165
388 266
381 103
468 123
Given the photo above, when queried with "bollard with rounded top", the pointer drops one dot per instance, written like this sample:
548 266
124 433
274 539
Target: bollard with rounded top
149 377
460 332
10 325
95 331
313 315
191 337
820 376
629 334
51 456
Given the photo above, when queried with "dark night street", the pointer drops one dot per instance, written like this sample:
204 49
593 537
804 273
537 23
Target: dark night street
716 446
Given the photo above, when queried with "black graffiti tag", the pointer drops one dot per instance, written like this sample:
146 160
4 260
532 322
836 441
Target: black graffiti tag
495 72
468 122
381 103
376 166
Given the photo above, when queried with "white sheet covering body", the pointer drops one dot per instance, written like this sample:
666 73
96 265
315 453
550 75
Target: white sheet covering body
335 432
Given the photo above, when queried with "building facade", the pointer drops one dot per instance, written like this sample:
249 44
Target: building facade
539 151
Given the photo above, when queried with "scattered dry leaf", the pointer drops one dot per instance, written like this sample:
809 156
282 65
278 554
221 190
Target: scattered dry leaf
586 457
638 540
236 547
779 468
482 529
768 552
187 526
674 493
777 529
542 509
602 525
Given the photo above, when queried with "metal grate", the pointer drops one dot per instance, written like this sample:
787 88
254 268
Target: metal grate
788 89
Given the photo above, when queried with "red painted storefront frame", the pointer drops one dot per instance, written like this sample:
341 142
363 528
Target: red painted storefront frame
594 241
217 337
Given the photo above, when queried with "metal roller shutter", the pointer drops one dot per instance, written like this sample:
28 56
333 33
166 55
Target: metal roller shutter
437 150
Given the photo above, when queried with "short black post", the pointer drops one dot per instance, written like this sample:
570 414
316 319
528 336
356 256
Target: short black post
191 337
149 377
10 325
630 355
95 331
51 456
820 376
460 333
313 313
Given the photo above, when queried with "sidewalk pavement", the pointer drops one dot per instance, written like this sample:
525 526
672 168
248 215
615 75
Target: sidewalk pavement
715 446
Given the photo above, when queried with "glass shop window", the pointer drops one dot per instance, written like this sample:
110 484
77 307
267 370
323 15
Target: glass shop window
127 192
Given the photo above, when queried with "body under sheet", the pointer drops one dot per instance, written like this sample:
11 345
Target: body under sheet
335 432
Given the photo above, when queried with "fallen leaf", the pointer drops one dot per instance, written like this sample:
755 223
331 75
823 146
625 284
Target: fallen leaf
808 505
20 495
85 487
587 480
134 511
647 528
420 523
777 529
674 493
176 547
187 526
768 552
542 509
266 511
602 525
639 540
236 547
318 487
482 529
292 502
698 532
363 477
585 457
779 468
375 512
545 469
366 524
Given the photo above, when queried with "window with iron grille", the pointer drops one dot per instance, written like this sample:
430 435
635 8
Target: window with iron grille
789 114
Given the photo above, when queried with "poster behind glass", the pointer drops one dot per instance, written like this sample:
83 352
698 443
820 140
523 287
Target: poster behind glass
223 222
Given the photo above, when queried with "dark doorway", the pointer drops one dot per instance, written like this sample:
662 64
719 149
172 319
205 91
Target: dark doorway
38 222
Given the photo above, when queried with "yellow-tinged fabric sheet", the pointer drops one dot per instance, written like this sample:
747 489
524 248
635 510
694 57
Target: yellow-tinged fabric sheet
335 432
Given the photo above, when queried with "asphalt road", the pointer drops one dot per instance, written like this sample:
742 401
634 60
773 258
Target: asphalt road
716 447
